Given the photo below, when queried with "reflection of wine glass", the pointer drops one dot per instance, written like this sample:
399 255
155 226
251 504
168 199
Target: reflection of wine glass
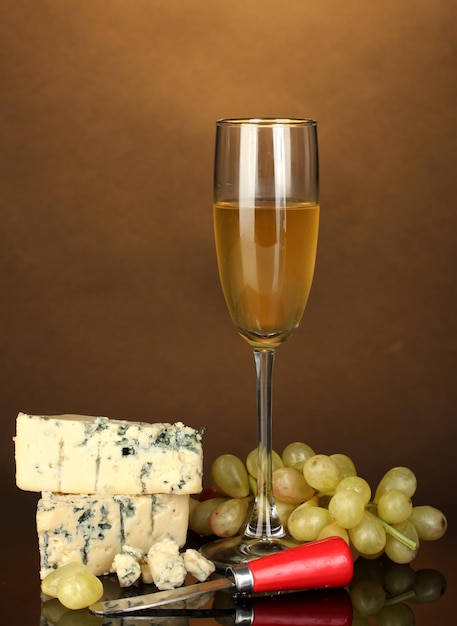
266 217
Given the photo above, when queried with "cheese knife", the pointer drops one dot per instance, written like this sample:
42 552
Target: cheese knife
319 564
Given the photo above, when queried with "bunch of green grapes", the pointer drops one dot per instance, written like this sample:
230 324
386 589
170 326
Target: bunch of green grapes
317 496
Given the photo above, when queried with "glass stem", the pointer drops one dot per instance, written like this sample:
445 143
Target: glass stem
264 522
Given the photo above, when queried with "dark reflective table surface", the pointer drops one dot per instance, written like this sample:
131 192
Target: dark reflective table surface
422 593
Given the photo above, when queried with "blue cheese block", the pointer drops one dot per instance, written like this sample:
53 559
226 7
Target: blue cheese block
93 529
96 455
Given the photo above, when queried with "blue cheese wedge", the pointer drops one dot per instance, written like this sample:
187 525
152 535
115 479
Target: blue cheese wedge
96 455
93 529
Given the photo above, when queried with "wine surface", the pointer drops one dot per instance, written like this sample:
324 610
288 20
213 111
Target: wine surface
266 257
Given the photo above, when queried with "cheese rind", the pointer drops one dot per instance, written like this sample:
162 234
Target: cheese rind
93 529
96 455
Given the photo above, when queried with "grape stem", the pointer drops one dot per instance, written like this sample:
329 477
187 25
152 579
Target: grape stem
403 597
409 543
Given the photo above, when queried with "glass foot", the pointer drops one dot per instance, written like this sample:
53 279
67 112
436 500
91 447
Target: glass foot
235 550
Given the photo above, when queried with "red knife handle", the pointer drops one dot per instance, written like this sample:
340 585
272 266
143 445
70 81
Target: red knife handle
315 565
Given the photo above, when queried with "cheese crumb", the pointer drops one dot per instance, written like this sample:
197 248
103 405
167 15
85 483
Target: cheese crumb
198 565
166 564
127 569
163 565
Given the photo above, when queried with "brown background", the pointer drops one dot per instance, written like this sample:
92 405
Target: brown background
110 301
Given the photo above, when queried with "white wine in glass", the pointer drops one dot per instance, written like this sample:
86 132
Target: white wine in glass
266 220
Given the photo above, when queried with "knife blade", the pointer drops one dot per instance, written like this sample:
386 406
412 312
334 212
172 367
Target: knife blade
159 598
319 564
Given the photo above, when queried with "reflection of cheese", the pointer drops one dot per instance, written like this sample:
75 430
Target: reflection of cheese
93 529
78 454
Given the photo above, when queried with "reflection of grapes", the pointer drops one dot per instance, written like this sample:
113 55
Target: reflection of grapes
395 615
53 613
368 597
320 495
386 590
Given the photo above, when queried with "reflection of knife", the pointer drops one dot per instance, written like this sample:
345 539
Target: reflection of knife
319 564
322 607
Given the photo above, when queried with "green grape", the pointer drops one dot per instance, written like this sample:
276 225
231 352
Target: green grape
50 582
367 597
193 503
284 510
295 454
359 620
394 506
334 530
314 501
399 478
306 522
430 523
251 462
372 557
347 508
399 578
322 473
200 514
229 476
345 465
289 485
78 590
227 518
396 615
396 550
355 483
430 586
368 537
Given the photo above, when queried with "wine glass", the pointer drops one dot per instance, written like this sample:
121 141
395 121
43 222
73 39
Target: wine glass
266 218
